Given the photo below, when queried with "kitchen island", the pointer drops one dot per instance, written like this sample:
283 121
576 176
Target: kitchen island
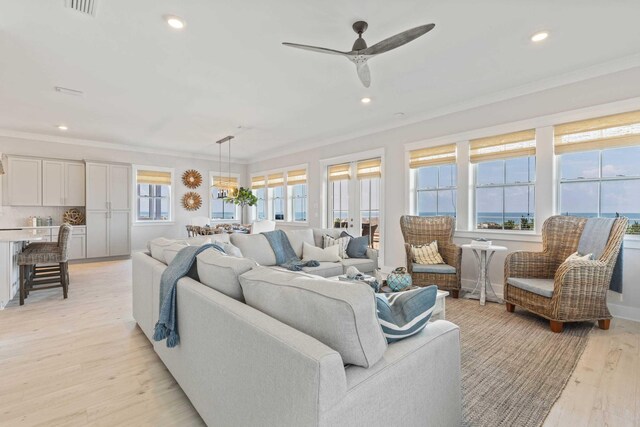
11 244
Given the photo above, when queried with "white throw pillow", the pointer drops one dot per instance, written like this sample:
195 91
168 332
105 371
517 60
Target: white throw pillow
171 252
427 254
577 257
230 249
198 240
341 242
310 252
158 245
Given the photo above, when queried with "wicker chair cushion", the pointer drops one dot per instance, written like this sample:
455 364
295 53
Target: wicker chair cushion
433 268
542 287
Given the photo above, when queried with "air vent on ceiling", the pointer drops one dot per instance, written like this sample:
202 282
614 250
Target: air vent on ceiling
88 7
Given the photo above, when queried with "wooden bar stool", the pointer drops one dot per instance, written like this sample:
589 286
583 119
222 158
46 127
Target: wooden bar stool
45 266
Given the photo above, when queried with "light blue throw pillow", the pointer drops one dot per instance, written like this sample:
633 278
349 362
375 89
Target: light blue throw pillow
357 247
403 314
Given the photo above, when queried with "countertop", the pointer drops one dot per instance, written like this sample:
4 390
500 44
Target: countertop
22 235
41 227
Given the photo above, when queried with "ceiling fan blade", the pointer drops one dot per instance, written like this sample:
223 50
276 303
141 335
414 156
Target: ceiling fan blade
397 40
364 73
316 49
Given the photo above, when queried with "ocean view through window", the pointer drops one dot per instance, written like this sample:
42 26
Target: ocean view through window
153 194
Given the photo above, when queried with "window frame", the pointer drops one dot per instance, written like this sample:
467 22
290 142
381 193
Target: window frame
417 190
504 185
599 180
136 197
238 213
287 195
291 198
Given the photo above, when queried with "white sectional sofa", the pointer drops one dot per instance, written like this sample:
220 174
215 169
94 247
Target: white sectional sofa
242 367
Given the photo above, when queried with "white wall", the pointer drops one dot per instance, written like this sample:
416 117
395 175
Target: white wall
12 216
569 101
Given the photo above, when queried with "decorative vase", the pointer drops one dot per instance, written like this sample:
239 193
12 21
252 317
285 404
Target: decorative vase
399 279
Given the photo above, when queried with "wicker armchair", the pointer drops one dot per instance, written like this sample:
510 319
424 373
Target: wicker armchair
578 289
418 230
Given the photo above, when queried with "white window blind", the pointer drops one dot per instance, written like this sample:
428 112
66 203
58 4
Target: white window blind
615 131
339 172
368 169
298 176
432 156
153 177
506 146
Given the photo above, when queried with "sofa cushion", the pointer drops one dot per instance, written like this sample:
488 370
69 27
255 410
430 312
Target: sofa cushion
543 287
319 233
433 268
403 314
170 253
357 247
230 249
325 269
255 247
220 272
342 316
313 253
364 265
340 242
219 238
158 245
298 237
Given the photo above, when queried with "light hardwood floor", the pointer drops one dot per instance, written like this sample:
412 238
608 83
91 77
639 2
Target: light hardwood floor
83 362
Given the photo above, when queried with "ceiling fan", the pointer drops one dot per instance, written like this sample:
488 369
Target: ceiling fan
360 53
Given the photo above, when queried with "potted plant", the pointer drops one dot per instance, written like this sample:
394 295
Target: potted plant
242 197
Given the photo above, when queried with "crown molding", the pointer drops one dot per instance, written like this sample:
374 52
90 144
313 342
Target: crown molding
37 137
594 71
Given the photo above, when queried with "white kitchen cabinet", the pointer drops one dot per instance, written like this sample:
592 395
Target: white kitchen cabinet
77 247
74 182
53 183
97 186
119 233
108 188
24 176
97 234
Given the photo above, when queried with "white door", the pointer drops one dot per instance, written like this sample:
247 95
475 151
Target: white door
25 181
74 181
52 183
97 234
119 237
97 186
354 198
120 187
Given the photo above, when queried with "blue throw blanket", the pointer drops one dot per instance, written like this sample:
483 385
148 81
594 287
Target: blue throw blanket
167 326
593 240
285 255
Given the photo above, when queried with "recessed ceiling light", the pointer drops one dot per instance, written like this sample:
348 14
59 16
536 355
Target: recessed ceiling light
365 100
63 127
539 36
175 22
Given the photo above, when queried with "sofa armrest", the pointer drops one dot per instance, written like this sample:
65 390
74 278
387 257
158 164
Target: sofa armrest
229 351
419 369
373 255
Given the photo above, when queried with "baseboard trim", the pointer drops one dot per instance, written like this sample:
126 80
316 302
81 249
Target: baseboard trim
625 312
89 260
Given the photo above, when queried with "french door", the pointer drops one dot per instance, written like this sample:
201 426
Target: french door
354 198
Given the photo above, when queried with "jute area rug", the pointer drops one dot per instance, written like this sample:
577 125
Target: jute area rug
513 367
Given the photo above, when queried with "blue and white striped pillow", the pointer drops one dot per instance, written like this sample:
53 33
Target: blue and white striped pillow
403 314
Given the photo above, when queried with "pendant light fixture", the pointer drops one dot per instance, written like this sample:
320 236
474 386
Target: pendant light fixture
224 188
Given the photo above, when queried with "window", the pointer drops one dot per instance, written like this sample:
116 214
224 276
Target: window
435 179
258 186
297 184
277 196
221 210
599 167
505 181
153 194
339 176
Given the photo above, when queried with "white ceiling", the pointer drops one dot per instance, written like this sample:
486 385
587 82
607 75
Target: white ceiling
152 87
